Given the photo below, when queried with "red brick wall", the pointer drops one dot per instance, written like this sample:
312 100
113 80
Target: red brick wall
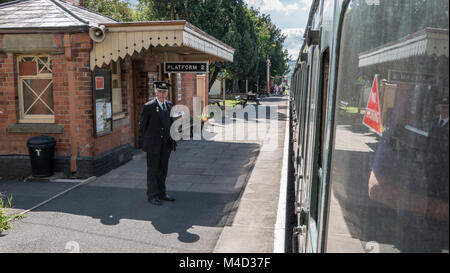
15 143
8 104
188 90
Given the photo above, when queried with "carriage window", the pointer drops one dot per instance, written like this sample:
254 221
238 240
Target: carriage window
390 159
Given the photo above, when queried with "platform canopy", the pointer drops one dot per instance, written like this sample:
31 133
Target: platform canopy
427 42
179 37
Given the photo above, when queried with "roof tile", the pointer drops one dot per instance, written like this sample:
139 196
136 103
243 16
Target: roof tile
47 13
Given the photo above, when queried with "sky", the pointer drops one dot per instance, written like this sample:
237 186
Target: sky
290 16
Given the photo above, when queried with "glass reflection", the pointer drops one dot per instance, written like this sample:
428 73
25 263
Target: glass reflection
391 187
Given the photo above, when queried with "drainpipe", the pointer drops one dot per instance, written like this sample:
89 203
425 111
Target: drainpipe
72 103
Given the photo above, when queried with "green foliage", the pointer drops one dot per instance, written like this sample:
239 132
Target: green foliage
252 35
270 46
5 219
119 10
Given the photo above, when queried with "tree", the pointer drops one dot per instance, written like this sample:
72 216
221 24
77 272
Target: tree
116 9
270 46
226 20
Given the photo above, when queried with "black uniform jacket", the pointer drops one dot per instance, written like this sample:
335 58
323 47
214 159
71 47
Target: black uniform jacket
155 127
437 160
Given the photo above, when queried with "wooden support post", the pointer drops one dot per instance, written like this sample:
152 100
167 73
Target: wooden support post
224 83
246 87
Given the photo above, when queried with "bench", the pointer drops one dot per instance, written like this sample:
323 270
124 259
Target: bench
250 97
253 97
213 101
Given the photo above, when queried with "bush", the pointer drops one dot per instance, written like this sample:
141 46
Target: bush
4 218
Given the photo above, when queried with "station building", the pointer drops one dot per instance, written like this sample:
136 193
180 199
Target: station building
83 78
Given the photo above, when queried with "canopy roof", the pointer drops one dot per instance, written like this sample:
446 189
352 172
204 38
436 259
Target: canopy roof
427 42
165 36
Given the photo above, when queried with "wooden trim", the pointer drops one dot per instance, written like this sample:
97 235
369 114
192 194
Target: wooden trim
118 116
165 23
39 30
146 23
176 36
38 119
132 91
44 128
199 31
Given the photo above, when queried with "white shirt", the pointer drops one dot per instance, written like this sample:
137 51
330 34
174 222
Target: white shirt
161 104
445 121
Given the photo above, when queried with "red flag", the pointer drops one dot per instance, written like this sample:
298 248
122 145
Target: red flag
372 118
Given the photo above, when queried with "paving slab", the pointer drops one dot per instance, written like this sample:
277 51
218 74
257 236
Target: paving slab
253 227
254 240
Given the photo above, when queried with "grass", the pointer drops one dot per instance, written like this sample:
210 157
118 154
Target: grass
352 110
5 219
232 103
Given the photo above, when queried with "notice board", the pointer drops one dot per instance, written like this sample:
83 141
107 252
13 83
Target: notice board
102 97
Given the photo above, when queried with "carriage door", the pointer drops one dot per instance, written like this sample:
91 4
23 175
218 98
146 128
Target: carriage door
317 178
303 198
311 153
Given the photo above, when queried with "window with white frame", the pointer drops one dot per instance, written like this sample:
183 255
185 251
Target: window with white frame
35 82
116 90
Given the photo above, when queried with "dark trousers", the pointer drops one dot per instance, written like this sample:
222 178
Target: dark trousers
157 166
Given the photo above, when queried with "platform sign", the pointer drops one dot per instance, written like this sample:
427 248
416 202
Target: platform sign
186 67
412 77
372 118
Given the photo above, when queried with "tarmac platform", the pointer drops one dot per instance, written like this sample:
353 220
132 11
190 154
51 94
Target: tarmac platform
227 201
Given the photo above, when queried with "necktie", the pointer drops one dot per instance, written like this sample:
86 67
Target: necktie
164 106
441 123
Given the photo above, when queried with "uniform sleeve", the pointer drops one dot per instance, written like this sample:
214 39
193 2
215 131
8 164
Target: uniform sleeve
170 109
143 121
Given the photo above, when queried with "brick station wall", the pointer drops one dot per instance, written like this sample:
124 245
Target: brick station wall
188 90
8 101
15 143
90 149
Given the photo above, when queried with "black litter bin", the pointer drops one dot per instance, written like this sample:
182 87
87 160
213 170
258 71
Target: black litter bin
42 154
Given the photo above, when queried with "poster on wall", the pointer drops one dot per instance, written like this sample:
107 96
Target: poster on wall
99 83
103 102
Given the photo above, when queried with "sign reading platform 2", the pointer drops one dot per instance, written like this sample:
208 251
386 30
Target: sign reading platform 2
186 67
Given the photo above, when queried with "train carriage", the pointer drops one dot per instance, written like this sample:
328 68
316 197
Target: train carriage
369 102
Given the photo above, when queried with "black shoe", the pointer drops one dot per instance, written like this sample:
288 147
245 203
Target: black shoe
155 201
168 198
